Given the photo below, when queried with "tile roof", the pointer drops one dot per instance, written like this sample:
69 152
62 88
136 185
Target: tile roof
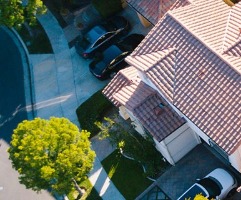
155 9
233 30
123 78
207 82
154 65
144 103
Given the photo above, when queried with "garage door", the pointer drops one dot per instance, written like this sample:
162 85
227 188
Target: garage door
181 142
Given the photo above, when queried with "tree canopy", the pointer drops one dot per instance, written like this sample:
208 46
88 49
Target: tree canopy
51 154
13 13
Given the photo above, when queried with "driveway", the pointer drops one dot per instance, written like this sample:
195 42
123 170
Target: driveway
197 164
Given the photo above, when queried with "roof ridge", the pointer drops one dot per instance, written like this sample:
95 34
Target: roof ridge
220 55
128 78
170 51
133 59
232 59
232 10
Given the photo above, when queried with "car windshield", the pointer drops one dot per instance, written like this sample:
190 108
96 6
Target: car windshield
211 186
118 59
192 192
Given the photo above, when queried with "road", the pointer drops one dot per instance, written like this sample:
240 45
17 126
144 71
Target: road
12 111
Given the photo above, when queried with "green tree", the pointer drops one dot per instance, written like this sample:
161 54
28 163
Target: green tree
51 154
132 144
13 13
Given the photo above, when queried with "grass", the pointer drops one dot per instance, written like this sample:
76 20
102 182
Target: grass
35 39
91 193
127 175
91 111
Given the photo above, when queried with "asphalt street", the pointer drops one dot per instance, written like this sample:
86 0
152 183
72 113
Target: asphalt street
12 111
12 101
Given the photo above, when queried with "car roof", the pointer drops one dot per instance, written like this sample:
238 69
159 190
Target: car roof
223 177
111 53
95 33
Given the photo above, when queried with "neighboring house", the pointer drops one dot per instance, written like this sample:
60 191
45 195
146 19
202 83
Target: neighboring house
150 11
184 85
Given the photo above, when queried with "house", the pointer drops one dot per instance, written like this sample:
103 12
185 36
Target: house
191 62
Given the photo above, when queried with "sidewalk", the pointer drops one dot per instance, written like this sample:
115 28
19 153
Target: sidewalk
62 82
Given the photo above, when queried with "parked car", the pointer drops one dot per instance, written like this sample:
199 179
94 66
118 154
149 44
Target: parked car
102 36
108 63
216 185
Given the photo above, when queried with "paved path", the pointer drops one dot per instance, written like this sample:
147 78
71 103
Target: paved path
62 82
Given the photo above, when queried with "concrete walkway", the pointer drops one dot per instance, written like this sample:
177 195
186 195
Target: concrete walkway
61 83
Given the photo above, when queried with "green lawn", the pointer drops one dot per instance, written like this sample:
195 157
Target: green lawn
126 174
91 193
91 111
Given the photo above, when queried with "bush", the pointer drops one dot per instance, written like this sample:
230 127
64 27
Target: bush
107 8
91 111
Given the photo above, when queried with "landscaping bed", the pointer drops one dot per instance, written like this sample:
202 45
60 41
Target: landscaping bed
35 39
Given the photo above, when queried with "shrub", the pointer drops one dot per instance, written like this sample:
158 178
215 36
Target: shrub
107 8
91 111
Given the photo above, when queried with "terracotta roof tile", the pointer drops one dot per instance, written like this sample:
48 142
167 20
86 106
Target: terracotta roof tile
155 9
144 102
147 8
207 85
123 78
159 67
205 21
232 35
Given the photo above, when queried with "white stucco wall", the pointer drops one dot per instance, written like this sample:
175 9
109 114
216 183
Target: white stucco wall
125 113
235 159
162 148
